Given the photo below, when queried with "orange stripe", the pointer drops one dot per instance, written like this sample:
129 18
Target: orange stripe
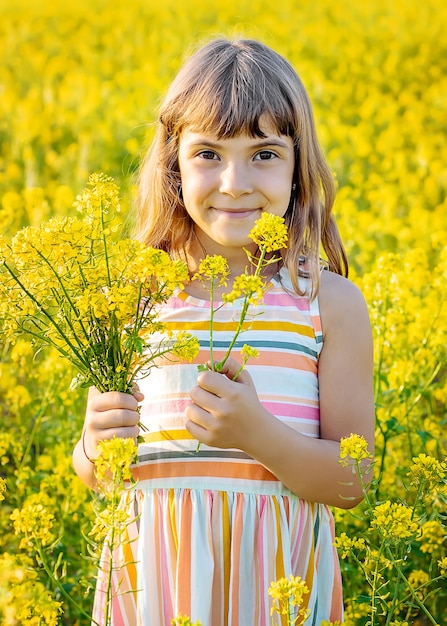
216 469
236 557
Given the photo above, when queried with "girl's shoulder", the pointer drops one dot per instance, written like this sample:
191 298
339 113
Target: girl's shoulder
341 303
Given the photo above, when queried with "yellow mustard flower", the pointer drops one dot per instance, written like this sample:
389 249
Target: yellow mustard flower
213 268
433 536
269 232
428 471
442 564
394 520
353 448
115 458
2 488
345 545
288 595
248 352
183 620
35 522
247 286
186 346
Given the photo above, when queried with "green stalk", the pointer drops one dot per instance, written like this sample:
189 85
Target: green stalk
64 290
47 315
104 241
412 591
243 315
212 321
59 585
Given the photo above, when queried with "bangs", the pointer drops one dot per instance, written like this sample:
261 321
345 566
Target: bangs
228 109
232 93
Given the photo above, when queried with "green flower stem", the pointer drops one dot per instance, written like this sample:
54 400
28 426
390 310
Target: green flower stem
259 266
69 300
50 319
422 586
104 241
58 584
212 312
394 602
136 327
109 595
412 592
374 591
364 488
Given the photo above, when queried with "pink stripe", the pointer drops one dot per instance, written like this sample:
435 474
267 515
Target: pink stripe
276 408
283 299
280 409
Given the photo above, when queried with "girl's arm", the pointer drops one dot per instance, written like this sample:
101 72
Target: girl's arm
108 415
225 413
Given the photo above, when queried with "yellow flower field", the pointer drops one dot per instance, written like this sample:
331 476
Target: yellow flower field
79 85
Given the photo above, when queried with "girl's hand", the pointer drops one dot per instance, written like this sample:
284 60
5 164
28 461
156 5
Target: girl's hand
108 415
224 412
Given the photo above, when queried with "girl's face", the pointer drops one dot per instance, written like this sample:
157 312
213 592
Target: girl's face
228 183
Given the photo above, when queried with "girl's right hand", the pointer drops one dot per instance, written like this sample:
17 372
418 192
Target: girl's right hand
110 414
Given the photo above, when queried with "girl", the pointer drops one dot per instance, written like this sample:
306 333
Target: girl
213 529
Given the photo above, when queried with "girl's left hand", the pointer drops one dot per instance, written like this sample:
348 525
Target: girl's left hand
224 412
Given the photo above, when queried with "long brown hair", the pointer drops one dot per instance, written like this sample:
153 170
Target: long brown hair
224 89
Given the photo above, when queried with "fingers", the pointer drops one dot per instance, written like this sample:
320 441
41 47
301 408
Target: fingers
222 383
232 368
111 414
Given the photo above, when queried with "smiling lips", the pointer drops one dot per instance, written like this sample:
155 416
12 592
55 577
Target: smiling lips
237 212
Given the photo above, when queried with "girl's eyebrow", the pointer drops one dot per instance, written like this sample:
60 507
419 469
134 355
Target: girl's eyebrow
264 143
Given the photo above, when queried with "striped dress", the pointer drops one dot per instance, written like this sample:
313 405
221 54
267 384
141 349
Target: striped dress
210 531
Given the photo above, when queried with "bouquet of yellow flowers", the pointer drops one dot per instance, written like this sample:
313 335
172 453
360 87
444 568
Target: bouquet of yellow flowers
70 284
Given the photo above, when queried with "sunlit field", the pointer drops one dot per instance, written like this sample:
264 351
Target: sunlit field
79 86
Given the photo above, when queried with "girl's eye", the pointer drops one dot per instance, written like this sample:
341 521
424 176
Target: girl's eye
209 155
265 155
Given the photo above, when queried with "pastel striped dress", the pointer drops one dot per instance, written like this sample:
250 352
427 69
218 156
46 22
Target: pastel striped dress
211 530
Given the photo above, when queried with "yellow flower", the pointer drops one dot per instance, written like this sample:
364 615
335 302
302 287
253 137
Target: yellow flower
213 268
110 518
247 286
35 522
2 488
433 536
269 232
428 471
354 447
116 456
288 593
394 520
186 346
99 197
183 620
345 544
247 352
442 564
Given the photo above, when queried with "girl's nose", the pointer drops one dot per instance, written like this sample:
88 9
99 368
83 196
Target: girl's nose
235 180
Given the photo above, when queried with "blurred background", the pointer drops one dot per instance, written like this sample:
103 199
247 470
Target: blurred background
80 83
